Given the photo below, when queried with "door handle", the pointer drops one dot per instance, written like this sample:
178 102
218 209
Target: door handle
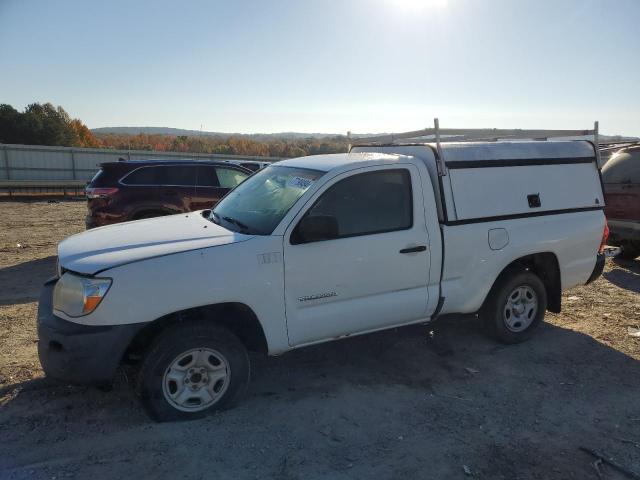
419 248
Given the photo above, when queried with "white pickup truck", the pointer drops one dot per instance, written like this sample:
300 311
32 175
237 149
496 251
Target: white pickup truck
319 248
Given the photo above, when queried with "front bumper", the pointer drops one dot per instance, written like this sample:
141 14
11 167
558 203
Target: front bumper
75 353
599 267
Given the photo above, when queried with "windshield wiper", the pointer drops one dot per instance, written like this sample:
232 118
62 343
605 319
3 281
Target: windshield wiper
214 217
236 222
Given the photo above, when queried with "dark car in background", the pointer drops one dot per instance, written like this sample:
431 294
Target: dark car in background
621 178
132 190
253 165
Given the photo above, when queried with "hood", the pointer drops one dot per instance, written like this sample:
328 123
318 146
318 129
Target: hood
106 247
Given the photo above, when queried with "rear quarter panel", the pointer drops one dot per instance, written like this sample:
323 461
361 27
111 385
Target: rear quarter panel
471 266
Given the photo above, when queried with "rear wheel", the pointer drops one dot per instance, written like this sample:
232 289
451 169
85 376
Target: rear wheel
515 307
192 369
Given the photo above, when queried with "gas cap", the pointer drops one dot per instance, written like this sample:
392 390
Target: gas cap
498 238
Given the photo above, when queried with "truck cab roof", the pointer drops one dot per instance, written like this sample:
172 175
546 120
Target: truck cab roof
325 163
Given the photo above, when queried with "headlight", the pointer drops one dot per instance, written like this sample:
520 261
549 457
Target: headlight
77 296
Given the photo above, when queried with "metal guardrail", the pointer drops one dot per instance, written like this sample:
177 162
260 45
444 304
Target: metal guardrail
16 188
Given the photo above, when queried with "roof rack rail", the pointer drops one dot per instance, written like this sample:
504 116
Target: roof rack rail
618 145
472 134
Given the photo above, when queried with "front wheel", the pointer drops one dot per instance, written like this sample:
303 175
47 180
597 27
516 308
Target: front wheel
515 307
192 369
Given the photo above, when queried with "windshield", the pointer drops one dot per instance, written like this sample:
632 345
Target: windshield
257 205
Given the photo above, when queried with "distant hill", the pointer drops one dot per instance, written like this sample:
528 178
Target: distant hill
617 139
271 136
194 133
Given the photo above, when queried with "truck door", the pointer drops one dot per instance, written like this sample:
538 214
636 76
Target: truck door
357 256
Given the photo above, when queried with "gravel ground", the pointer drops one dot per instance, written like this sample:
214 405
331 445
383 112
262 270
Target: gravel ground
388 405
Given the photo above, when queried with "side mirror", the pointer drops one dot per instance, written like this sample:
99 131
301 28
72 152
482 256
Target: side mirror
314 229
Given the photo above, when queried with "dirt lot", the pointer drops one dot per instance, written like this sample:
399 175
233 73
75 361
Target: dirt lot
388 405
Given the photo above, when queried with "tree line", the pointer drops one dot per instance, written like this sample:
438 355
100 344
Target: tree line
45 124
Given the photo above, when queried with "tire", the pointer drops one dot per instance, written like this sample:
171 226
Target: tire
192 369
515 306
630 251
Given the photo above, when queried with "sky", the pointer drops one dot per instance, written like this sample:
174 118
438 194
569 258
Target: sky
326 66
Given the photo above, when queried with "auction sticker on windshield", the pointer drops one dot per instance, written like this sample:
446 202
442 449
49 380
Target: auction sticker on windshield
299 182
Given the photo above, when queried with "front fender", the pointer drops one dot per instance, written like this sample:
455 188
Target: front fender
249 272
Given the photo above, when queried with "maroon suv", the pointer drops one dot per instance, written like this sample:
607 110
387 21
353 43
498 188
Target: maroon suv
621 178
131 190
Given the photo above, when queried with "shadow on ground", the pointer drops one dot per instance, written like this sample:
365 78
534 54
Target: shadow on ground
21 283
384 405
625 275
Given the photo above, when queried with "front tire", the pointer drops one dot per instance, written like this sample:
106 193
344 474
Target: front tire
515 307
192 369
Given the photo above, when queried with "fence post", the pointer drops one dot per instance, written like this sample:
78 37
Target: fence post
6 162
73 165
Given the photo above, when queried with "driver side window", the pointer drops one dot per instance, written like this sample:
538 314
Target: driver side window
363 204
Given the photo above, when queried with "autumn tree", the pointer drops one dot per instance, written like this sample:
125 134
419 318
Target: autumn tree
84 137
43 124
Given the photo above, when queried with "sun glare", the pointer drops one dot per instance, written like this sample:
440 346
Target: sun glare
417 5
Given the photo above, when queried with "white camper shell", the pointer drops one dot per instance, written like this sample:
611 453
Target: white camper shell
503 180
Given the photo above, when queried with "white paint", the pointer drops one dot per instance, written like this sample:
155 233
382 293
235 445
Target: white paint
471 267
375 286
498 238
105 247
490 192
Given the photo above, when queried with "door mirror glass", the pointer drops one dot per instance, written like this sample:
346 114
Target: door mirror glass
315 228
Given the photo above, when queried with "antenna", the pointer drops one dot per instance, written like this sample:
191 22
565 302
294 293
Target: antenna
596 143
442 167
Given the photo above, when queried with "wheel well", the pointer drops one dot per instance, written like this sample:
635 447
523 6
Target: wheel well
544 265
236 317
